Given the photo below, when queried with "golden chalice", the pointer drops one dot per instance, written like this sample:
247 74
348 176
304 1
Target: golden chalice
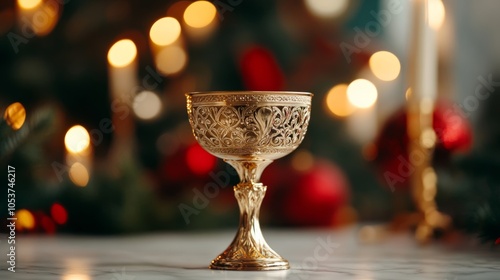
248 130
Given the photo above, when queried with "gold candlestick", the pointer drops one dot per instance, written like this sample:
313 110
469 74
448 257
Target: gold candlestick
423 81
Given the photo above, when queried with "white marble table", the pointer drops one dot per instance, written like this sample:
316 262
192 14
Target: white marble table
312 254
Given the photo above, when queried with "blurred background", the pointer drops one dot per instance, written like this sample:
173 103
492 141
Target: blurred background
94 117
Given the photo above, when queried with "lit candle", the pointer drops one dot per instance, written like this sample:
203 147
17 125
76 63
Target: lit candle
26 10
123 84
362 124
423 55
199 18
39 16
123 70
79 155
167 46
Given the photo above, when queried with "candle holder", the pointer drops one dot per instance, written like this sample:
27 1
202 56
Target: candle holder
249 130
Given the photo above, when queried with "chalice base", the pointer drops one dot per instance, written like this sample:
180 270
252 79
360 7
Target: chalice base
249 250
223 263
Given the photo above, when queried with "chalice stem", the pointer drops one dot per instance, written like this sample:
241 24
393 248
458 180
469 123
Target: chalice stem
249 250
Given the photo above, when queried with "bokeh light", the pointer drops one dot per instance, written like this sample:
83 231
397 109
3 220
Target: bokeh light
429 181
327 8
122 53
171 60
362 93
408 94
44 25
15 115
25 220
199 161
79 175
28 4
165 31
385 65
200 14
428 138
337 102
58 213
147 105
77 139
75 276
436 14
302 161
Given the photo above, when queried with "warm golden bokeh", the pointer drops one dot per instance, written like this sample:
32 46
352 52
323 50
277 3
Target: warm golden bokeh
385 65
15 115
408 93
327 8
43 28
77 139
171 60
437 13
28 4
147 105
200 14
337 102
302 160
122 53
25 220
362 93
79 174
165 31
74 276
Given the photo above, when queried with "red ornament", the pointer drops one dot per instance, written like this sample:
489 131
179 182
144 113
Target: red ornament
189 164
58 213
453 132
310 198
260 70
199 161
452 128
48 225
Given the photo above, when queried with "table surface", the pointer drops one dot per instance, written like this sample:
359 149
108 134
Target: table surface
313 254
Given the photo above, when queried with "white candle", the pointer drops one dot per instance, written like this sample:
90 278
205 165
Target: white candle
123 85
362 124
123 70
423 55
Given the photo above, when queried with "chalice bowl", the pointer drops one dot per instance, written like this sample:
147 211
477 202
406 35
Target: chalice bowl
248 130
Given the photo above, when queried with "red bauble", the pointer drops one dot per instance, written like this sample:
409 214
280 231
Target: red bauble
188 164
452 128
310 198
453 132
260 70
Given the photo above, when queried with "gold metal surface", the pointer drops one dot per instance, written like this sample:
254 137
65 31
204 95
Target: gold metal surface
249 130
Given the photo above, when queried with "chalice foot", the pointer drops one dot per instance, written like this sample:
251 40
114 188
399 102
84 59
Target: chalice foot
249 250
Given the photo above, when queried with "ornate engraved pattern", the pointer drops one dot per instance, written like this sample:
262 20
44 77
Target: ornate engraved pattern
261 98
250 129
249 250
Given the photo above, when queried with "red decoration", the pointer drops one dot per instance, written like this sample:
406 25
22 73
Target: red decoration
311 198
58 213
199 161
260 71
453 132
48 225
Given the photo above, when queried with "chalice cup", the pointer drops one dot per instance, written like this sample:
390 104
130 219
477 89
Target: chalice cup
248 130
